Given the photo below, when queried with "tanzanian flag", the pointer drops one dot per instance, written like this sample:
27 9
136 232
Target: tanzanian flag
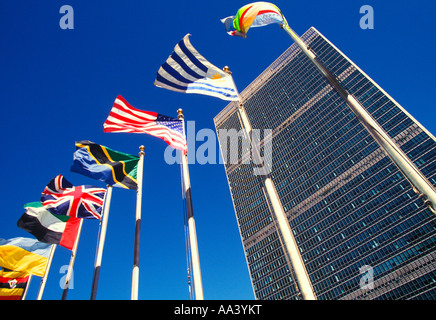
12 284
101 163
25 255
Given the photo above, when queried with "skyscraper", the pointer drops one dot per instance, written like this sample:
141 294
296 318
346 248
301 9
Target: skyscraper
362 231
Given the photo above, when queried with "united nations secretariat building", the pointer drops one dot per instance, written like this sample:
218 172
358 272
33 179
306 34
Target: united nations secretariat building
360 228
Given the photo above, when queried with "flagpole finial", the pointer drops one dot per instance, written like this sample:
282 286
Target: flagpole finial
226 69
180 116
141 149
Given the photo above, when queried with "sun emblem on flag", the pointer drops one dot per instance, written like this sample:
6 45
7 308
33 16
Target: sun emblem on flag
216 76
13 283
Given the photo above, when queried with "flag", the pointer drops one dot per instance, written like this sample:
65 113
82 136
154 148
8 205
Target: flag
12 284
101 163
256 14
125 118
60 197
25 255
48 228
188 71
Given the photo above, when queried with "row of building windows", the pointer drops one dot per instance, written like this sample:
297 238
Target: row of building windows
319 172
261 117
357 191
377 172
277 262
345 245
278 290
274 275
369 240
343 223
298 194
388 260
408 290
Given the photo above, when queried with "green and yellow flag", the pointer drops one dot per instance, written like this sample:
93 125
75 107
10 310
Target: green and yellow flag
116 168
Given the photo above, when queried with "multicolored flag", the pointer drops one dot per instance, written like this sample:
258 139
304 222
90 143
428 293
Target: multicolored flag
12 284
125 118
25 255
256 14
60 197
188 71
48 228
104 164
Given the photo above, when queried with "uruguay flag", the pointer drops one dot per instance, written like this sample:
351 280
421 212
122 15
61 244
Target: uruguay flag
188 71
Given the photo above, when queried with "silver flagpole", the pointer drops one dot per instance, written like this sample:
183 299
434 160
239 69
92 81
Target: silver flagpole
418 181
47 270
23 297
290 244
135 272
196 271
97 266
72 259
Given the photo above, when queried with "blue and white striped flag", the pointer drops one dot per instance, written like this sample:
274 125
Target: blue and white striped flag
188 71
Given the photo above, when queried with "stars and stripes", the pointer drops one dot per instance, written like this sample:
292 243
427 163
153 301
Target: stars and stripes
188 71
60 197
125 118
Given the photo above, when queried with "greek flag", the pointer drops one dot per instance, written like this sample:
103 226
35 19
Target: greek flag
188 71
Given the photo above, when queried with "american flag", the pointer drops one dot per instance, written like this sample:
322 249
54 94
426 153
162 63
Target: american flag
125 118
60 197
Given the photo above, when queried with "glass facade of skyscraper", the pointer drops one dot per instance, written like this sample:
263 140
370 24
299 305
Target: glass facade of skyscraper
362 232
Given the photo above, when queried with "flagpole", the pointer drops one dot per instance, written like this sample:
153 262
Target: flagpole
97 266
195 258
47 270
289 242
135 272
23 297
72 259
418 181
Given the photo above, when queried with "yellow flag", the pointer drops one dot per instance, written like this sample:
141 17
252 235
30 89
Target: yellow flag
25 255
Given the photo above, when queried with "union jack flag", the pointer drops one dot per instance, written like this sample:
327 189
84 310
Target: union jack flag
60 197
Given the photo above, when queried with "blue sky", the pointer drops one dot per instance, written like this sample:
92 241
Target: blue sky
58 87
